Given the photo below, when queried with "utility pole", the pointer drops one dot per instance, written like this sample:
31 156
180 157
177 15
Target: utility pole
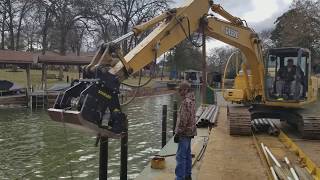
204 69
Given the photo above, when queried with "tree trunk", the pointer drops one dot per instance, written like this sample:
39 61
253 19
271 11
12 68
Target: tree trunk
3 29
11 33
63 50
18 32
125 31
63 35
45 33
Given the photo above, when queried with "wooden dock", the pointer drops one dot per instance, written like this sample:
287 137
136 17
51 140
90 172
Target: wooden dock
197 145
230 157
16 100
42 99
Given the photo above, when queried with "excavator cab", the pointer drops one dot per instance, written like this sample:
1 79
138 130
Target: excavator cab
287 73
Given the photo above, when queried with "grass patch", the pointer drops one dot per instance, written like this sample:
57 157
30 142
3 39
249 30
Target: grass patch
20 77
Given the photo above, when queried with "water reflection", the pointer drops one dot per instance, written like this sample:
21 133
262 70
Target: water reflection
34 147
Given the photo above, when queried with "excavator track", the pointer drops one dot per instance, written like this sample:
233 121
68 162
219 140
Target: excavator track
309 127
239 119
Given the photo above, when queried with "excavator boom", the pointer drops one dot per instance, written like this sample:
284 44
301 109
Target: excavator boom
93 101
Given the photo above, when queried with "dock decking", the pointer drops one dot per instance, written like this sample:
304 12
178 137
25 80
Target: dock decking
230 157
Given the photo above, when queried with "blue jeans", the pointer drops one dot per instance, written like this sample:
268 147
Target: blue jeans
183 158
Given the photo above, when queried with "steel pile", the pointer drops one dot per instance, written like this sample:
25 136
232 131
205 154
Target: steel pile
265 125
207 115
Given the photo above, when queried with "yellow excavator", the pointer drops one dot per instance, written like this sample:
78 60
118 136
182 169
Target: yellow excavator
93 101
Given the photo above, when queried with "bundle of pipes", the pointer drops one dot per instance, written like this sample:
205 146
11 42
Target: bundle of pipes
283 171
265 125
206 115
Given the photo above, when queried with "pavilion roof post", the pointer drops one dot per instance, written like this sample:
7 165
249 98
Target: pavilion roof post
79 70
28 78
45 72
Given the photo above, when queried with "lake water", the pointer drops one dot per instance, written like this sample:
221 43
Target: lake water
34 147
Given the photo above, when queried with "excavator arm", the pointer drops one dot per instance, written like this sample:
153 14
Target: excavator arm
249 86
93 101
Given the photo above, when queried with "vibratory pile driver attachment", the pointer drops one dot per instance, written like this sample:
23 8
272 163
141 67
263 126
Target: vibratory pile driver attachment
92 102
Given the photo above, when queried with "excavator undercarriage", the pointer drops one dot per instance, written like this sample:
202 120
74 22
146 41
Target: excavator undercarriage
240 117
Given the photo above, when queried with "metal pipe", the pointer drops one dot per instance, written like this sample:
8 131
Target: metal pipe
275 177
260 121
264 121
272 157
268 162
103 158
175 111
212 108
271 123
164 126
293 172
273 129
124 152
215 115
199 111
204 67
256 122
121 38
211 113
204 113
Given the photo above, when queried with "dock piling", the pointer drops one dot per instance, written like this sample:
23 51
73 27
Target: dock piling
175 111
124 152
103 159
164 125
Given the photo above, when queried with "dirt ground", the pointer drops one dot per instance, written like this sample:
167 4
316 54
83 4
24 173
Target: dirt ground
229 157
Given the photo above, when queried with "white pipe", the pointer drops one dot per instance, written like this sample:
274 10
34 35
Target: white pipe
260 121
275 177
272 157
264 151
293 172
204 113
208 111
199 111
215 115
209 115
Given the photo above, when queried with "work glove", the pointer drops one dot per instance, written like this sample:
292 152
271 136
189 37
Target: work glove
176 138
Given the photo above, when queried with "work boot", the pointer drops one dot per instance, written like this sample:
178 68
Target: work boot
188 178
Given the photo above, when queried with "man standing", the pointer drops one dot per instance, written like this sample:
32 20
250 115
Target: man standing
185 130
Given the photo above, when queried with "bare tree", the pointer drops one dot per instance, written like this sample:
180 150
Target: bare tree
127 13
218 57
23 7
3 12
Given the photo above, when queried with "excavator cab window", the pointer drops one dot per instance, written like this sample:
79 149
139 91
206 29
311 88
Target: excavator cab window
287 72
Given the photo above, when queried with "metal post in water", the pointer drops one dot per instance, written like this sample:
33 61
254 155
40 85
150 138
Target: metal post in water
103 159
164 125
124 152
175 113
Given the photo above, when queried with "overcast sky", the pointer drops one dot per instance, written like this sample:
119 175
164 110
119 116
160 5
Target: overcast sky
259 14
